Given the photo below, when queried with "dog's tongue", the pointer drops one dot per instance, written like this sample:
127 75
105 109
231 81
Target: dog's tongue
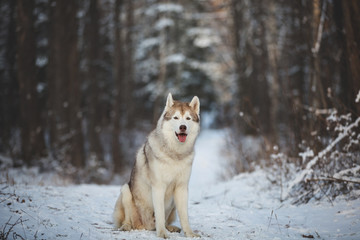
182 137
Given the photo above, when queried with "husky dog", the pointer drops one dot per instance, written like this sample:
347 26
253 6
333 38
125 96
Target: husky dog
159 179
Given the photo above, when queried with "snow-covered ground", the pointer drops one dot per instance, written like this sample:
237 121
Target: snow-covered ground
246 207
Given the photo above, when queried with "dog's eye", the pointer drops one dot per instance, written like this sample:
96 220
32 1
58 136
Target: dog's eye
188 118
176 118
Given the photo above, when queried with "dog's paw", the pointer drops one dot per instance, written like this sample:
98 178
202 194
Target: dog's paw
172 228
125 227
162 234
192 235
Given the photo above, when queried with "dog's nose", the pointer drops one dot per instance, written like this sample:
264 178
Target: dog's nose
182 128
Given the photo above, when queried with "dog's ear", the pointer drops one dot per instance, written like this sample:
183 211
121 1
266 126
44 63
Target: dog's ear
169 101
195 104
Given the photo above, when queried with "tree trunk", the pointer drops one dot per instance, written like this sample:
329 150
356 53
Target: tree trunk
273 68
9 89
317 88
161 78
236 20
351 14
94 128
129 63
243 102
262 93
297 82
118 91
64 85
32 144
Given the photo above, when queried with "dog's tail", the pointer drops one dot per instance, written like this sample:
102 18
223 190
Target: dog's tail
119 214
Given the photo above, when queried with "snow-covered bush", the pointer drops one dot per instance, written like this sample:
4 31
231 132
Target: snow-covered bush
327 166
335 170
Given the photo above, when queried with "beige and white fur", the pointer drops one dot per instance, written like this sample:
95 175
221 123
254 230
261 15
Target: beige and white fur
159 180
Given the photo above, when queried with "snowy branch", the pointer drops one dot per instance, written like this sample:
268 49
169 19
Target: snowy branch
358 97
332 179
301 177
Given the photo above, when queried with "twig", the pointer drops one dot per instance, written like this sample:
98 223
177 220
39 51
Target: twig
10 195
28 214
16 236
326 195
331 179
23 230
4 234
10 229
278 223
307 236
272 211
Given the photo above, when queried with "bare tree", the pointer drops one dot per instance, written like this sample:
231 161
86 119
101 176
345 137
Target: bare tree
31 128
64 85
351 15
129 65
317 88
272 49
9 89
118 69
162 74
93 73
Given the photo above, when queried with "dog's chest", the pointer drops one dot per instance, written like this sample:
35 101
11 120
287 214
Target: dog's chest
173 171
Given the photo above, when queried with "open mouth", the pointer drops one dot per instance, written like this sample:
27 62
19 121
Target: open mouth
181 136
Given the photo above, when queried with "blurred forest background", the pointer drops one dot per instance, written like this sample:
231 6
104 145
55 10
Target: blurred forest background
82 82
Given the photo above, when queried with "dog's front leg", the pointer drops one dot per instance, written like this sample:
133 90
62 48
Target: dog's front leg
158 198
181 202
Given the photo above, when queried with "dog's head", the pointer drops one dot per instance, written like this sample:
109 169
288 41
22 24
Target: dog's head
181 120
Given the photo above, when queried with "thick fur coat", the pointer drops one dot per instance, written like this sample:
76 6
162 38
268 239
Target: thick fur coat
159 180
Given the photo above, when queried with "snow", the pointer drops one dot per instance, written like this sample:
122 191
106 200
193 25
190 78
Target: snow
164 8
357 100
163 23
305 155
145 45
175 58
206 167
203 42
246 207
204 37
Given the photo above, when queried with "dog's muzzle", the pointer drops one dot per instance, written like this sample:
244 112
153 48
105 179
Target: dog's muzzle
182 135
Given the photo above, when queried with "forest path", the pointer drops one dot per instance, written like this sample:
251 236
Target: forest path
208 160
